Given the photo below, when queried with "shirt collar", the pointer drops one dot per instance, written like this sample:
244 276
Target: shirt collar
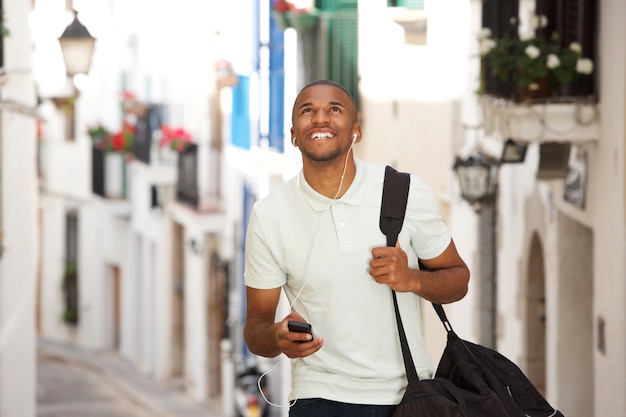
354 195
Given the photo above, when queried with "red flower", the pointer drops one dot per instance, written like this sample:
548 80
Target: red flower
118 141
176 139
282 6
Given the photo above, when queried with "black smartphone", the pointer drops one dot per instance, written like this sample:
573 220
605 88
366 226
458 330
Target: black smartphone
300 327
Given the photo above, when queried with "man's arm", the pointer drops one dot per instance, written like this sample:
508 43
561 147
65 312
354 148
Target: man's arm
445 279
260 314
266 338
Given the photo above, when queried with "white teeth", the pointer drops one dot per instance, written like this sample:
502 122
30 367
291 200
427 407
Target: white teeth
321 136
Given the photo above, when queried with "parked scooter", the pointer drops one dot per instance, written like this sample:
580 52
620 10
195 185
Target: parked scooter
249 401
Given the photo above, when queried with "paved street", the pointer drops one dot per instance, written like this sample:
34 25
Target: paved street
73 382
65 389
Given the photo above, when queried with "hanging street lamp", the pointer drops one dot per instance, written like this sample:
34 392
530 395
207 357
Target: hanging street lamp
478 177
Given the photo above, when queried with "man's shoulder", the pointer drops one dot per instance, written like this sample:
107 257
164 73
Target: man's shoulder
278 195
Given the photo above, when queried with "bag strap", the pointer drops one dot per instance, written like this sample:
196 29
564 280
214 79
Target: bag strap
395 197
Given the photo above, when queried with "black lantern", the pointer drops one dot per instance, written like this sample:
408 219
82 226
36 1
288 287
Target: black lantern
478 176
77 47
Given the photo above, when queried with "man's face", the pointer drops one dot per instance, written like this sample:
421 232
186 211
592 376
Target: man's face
324 122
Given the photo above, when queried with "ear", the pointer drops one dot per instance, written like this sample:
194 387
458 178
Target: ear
356 133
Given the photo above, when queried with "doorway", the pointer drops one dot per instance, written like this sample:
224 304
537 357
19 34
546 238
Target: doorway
178 308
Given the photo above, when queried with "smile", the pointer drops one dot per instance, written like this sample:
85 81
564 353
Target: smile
322 135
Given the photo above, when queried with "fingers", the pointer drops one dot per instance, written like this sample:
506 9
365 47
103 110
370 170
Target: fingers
389 266
297 344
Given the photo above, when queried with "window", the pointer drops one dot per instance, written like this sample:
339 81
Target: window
573 20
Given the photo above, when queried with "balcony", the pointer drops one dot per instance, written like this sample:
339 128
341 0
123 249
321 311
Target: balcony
187 191
573 120
146 124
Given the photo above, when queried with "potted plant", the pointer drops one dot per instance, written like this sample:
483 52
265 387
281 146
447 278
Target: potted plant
177 139
300 15
279 13
115 150
538 67
120 141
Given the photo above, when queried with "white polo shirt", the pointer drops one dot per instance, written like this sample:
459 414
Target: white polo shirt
319 251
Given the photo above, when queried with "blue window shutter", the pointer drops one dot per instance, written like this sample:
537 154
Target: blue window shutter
277 87
240 116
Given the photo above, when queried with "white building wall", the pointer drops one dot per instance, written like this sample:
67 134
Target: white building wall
105 241
52 229
196 226
608 194
152 238
19 252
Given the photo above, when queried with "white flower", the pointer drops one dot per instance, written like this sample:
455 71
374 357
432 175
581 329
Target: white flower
584 66
527 36
575 46
486 45
553 61
484 33
532 51
540 22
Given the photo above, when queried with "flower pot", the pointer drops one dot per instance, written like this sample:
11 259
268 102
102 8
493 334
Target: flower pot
535 91
302 21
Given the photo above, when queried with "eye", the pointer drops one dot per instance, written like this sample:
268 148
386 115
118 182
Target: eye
307 110
335 109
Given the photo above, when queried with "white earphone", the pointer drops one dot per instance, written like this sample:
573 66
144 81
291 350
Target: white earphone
293 141
354 138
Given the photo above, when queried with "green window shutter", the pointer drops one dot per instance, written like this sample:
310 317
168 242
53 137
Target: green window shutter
338 43
409 4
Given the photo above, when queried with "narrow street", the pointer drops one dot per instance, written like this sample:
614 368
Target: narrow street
73 382
66 389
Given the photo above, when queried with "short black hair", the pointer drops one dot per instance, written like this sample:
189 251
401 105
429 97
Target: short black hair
332 84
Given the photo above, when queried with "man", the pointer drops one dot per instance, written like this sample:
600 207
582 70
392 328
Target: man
317 237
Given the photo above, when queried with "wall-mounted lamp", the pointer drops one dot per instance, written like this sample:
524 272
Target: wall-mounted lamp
513 152
478 178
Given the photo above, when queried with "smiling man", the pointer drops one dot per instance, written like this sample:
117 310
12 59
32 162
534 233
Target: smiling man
317 237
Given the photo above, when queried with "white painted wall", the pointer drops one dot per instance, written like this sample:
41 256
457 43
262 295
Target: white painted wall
607 192
20 233
151 228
